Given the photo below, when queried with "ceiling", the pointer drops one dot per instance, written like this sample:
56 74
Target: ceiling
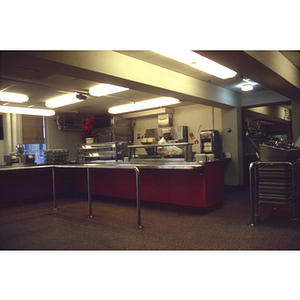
40 77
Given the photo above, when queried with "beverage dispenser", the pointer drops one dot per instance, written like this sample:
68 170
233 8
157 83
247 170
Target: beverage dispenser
210 142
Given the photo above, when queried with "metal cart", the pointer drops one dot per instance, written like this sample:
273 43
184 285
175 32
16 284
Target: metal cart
274 184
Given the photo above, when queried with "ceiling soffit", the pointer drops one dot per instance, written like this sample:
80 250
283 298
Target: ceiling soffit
115 68
257 66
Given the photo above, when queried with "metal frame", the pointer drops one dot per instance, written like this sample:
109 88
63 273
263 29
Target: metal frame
88 167
85 148
187 154
254 198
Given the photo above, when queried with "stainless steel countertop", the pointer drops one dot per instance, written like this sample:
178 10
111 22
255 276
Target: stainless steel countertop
115 165
21 166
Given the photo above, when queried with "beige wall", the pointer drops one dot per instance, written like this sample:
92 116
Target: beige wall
201 117
12 131
57 139
197 117
233 142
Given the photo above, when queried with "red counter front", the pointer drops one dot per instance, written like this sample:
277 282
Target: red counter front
190 187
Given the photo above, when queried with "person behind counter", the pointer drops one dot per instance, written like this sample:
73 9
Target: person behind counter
167 150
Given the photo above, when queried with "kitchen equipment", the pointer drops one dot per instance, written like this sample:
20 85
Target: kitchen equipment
278 151
14 158
29 158
270 153
210 142
56 156
274 184
120 131
178 133
19 149
200 157
7 160
210 157
106 151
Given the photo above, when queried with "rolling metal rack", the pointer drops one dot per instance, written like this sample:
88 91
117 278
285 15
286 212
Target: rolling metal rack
274 184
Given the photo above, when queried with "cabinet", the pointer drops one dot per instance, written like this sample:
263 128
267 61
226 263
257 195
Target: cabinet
108 151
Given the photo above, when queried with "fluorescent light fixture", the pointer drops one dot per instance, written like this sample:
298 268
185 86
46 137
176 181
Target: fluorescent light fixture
105 89
199 62
148 112
27 111
158 102
13 97
62 100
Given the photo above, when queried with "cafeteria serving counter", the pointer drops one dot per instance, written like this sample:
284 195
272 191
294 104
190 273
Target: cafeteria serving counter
183 183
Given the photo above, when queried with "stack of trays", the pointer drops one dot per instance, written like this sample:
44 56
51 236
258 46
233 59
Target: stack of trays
276 183
56 156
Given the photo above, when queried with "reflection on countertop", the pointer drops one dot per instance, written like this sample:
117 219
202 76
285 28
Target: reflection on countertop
142 164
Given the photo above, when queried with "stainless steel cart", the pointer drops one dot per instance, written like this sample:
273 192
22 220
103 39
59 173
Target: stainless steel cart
274 184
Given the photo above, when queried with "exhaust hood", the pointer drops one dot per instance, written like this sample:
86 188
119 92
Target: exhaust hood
145 113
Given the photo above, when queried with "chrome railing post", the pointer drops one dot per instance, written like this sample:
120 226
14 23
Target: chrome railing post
294 218
252 222
138 197
53 189
88 179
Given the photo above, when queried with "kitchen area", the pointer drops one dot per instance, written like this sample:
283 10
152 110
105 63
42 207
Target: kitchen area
197 167
206 123
100 201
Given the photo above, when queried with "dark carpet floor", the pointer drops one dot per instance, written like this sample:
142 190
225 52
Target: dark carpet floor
109 274
33 225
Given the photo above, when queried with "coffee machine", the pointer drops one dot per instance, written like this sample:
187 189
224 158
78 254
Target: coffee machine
210 142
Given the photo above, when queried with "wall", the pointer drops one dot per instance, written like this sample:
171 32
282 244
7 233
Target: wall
12 131
295 120
197 117
57 139
232 142
262 98
201 117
